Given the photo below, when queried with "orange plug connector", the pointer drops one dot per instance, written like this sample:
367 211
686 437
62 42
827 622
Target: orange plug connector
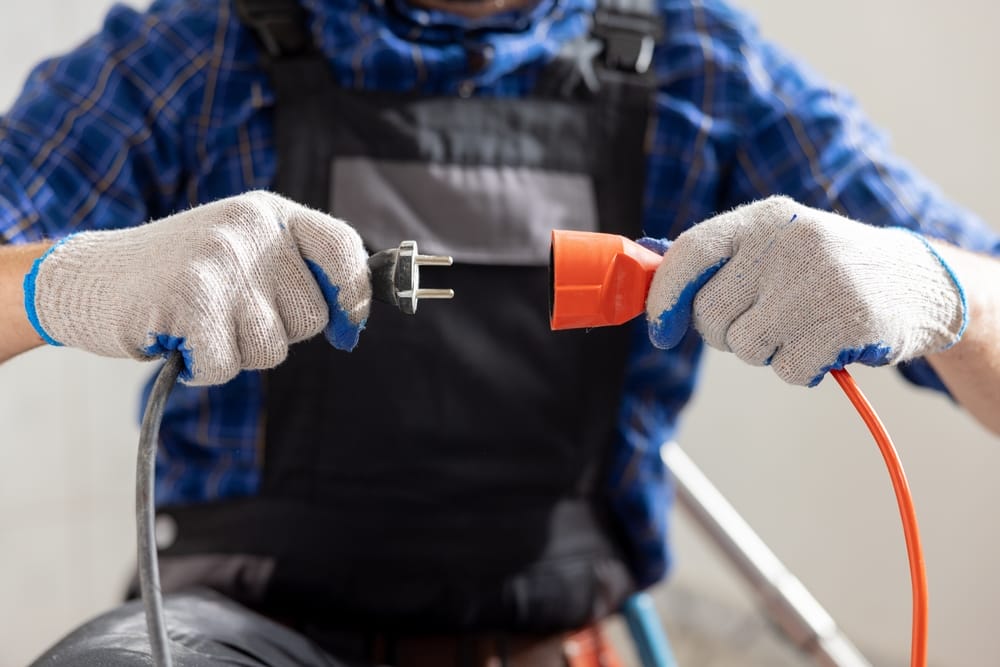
596 279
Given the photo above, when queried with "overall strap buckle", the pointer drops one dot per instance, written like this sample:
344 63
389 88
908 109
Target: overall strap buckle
279 25
629 31
615 57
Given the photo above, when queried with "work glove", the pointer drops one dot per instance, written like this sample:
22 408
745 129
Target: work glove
230 284
805 291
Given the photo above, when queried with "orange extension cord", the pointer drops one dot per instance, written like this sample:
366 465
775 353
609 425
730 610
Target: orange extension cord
918 577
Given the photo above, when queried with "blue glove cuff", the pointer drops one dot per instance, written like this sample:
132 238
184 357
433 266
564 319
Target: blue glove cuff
954 279
30 283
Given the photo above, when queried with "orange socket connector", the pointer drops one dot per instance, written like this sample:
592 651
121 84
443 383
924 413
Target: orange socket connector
597 280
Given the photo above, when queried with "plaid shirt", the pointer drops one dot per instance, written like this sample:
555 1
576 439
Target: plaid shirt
170 107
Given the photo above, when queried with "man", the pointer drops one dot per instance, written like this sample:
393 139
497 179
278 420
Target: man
464 481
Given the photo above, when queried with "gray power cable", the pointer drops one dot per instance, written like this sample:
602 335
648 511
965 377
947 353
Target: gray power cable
145 511
395 280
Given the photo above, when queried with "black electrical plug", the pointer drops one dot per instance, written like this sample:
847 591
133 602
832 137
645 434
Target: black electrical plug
396 276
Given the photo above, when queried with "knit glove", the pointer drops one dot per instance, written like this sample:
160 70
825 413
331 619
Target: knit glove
230 284
805 291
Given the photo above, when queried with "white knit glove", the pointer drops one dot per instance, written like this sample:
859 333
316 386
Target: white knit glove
231 284
805 291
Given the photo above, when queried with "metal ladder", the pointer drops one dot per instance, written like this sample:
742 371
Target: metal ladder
785 600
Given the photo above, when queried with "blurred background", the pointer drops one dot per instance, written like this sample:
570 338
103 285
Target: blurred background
796 463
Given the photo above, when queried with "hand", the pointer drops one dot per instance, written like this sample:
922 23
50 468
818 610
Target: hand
805 291
230 284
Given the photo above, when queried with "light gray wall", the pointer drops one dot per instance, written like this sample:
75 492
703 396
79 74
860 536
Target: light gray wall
67 446
795 462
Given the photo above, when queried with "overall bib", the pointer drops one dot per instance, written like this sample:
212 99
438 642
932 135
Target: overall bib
448 473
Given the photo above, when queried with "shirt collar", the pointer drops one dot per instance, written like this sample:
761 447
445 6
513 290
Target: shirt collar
445 23
394 45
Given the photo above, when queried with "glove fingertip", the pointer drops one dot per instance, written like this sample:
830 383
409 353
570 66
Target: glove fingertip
669 328
340 331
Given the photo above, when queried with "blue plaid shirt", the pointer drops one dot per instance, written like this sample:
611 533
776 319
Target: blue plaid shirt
170 107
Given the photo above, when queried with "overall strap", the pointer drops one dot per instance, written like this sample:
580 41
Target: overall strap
613 61
299 75
297 67
629 31
279 25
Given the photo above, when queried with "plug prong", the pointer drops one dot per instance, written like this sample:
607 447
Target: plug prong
434 260
434 293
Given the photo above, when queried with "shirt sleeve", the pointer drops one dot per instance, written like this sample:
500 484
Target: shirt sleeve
97 137
801 137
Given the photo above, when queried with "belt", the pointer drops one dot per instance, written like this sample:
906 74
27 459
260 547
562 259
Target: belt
584 648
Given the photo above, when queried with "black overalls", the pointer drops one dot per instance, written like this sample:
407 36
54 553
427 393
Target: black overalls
448 473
